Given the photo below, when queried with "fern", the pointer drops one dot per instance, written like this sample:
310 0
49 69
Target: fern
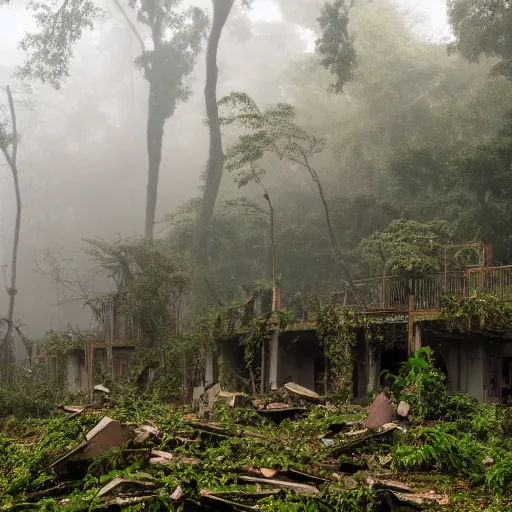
499 476
436 448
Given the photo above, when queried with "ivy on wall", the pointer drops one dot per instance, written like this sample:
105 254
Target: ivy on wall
484 311
338 330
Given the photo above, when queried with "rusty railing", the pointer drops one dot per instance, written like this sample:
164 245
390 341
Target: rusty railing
392 293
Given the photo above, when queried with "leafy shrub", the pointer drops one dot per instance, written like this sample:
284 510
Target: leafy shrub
22 405
459 407
421 385
499 476
433 447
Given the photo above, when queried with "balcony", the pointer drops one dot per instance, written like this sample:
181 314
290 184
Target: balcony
393 293
115 326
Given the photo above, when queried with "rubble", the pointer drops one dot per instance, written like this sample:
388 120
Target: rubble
236 460
100 396
145 431
303 393
381 412
403 409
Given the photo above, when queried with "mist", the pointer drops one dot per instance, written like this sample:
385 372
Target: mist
82 155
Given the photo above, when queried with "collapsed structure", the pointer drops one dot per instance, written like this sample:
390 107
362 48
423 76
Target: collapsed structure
408 313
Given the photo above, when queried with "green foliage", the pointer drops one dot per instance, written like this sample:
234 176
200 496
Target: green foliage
173 56
460 407
149 282
408 248
336 46
421 385
50 50
274 130
485 171
499 477
55 342
338 330
464 314
30 395
483 27
28 468
433 448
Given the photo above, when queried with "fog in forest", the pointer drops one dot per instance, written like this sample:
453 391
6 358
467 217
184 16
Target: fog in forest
395 137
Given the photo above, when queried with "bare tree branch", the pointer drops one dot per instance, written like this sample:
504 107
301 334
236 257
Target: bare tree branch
11 291
131 25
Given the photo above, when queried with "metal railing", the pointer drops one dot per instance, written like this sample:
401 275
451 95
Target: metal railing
392 293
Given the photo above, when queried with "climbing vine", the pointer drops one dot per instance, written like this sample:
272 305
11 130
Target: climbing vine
338 330
60 343
484 311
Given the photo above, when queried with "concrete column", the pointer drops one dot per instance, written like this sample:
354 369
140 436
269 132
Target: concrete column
73 364
209 376
476 369
452 366
273 370
417 337
463 369
373 370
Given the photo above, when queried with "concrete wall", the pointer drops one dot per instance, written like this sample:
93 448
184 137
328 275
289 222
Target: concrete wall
297 367
298 352
474 365
76 371
475 376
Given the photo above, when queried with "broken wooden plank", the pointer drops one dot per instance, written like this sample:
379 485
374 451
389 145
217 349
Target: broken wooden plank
299 488
177 494
302 477
391 485
122 481
346 446
162 454
303 393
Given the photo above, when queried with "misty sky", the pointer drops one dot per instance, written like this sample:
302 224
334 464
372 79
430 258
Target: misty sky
58 111
429 14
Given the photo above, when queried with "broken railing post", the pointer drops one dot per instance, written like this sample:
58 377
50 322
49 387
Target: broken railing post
410 332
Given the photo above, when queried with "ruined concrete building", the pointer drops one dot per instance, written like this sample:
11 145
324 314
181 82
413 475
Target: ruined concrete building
409 314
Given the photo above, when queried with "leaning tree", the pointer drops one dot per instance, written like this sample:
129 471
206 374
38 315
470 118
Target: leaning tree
175 37
337 54
9 148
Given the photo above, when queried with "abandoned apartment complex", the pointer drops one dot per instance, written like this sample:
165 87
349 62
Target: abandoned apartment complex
407 313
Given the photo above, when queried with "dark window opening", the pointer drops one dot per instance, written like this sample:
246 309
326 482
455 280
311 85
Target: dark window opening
391 360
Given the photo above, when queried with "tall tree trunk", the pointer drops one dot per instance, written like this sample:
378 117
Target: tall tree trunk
221 10
155 134
11 160
330 229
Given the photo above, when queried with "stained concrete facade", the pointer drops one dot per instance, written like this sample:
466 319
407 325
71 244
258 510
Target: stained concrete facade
76 373
474 362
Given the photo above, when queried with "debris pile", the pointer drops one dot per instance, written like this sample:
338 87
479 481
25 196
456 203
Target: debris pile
287 451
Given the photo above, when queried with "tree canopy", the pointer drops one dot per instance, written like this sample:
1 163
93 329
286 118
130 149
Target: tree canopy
483 27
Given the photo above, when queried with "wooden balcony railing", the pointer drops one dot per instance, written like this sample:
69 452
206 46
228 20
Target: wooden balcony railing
116 326
392 293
